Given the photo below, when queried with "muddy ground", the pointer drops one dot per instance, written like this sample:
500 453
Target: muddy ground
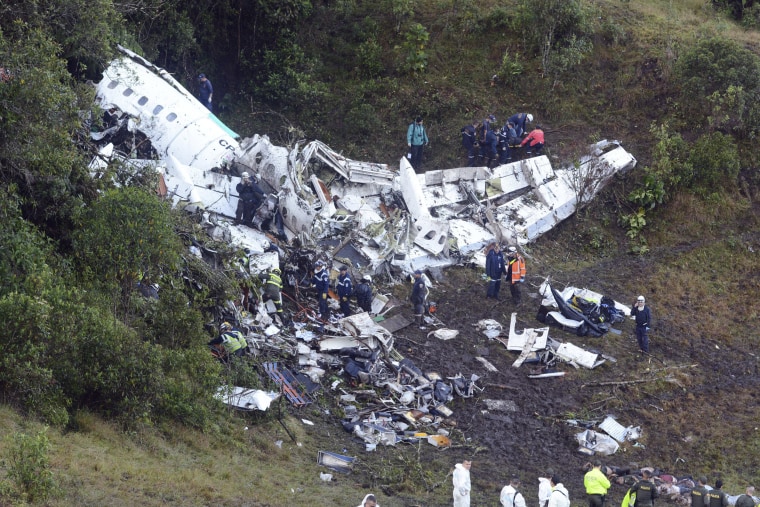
694 396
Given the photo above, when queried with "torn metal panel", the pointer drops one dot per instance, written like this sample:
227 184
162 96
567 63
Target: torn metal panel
574 354
246 399
517 341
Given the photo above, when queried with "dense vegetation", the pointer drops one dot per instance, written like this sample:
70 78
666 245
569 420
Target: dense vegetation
77 339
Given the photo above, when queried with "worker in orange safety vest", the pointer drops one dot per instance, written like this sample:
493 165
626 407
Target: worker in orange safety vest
515 273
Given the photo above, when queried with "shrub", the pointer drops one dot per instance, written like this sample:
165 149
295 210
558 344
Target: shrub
29 466
715 160
713 66
413 49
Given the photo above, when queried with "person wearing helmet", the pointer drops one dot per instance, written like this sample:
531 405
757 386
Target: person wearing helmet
230 341
321 282
535 141
519 120
364 294
250 197
272 288
345 291
643 317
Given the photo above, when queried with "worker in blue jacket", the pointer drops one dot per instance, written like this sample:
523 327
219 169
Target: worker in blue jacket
345 291
321 282
495 269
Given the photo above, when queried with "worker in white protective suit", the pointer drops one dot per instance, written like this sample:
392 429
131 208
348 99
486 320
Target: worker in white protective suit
369 501
461 482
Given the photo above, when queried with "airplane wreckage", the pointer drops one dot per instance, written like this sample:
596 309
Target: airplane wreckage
368 213
369 216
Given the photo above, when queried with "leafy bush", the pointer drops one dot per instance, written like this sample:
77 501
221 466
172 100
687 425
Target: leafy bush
125 233
715 160
369 56
413 49
29 466
707 71
559 31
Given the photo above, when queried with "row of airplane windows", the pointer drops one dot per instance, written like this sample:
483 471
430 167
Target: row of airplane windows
143 100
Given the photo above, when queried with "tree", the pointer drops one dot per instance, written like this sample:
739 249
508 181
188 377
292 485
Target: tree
125 234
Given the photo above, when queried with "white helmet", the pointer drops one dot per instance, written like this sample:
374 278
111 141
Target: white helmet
530 118
265 245
245 175
367 278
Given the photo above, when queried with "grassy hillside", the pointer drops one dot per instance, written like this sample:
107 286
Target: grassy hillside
702 266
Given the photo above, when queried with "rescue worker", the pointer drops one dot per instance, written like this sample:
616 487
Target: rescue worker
699 493
645 490
510 496
416 138
596 484
364 294
345 291
470 141
489 148
250 197
519 120
231 339
206 92
545 488
716 496
515 273
462 486
559 496
505 155
495 269
321 282
643 317
747 499
535 141
369 501
419 298
272 288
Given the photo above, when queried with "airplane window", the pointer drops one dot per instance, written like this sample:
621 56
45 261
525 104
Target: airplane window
143 100
113 84
128 92
157 109
171 117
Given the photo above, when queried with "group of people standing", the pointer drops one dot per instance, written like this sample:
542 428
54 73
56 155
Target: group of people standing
551 491
486 143
512 268
642 493
344 288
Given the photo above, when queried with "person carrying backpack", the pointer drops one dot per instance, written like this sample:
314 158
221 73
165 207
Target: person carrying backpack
416 138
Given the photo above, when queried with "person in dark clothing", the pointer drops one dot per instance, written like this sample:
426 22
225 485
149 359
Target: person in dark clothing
250 196
489 148
364 294
495 269
418 298
643 317
716 496
747 499
646 491
519 120
503 147
345 291
206 93
699 494
321 282
470 141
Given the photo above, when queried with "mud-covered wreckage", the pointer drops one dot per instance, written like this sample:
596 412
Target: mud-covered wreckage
367 213
372 217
